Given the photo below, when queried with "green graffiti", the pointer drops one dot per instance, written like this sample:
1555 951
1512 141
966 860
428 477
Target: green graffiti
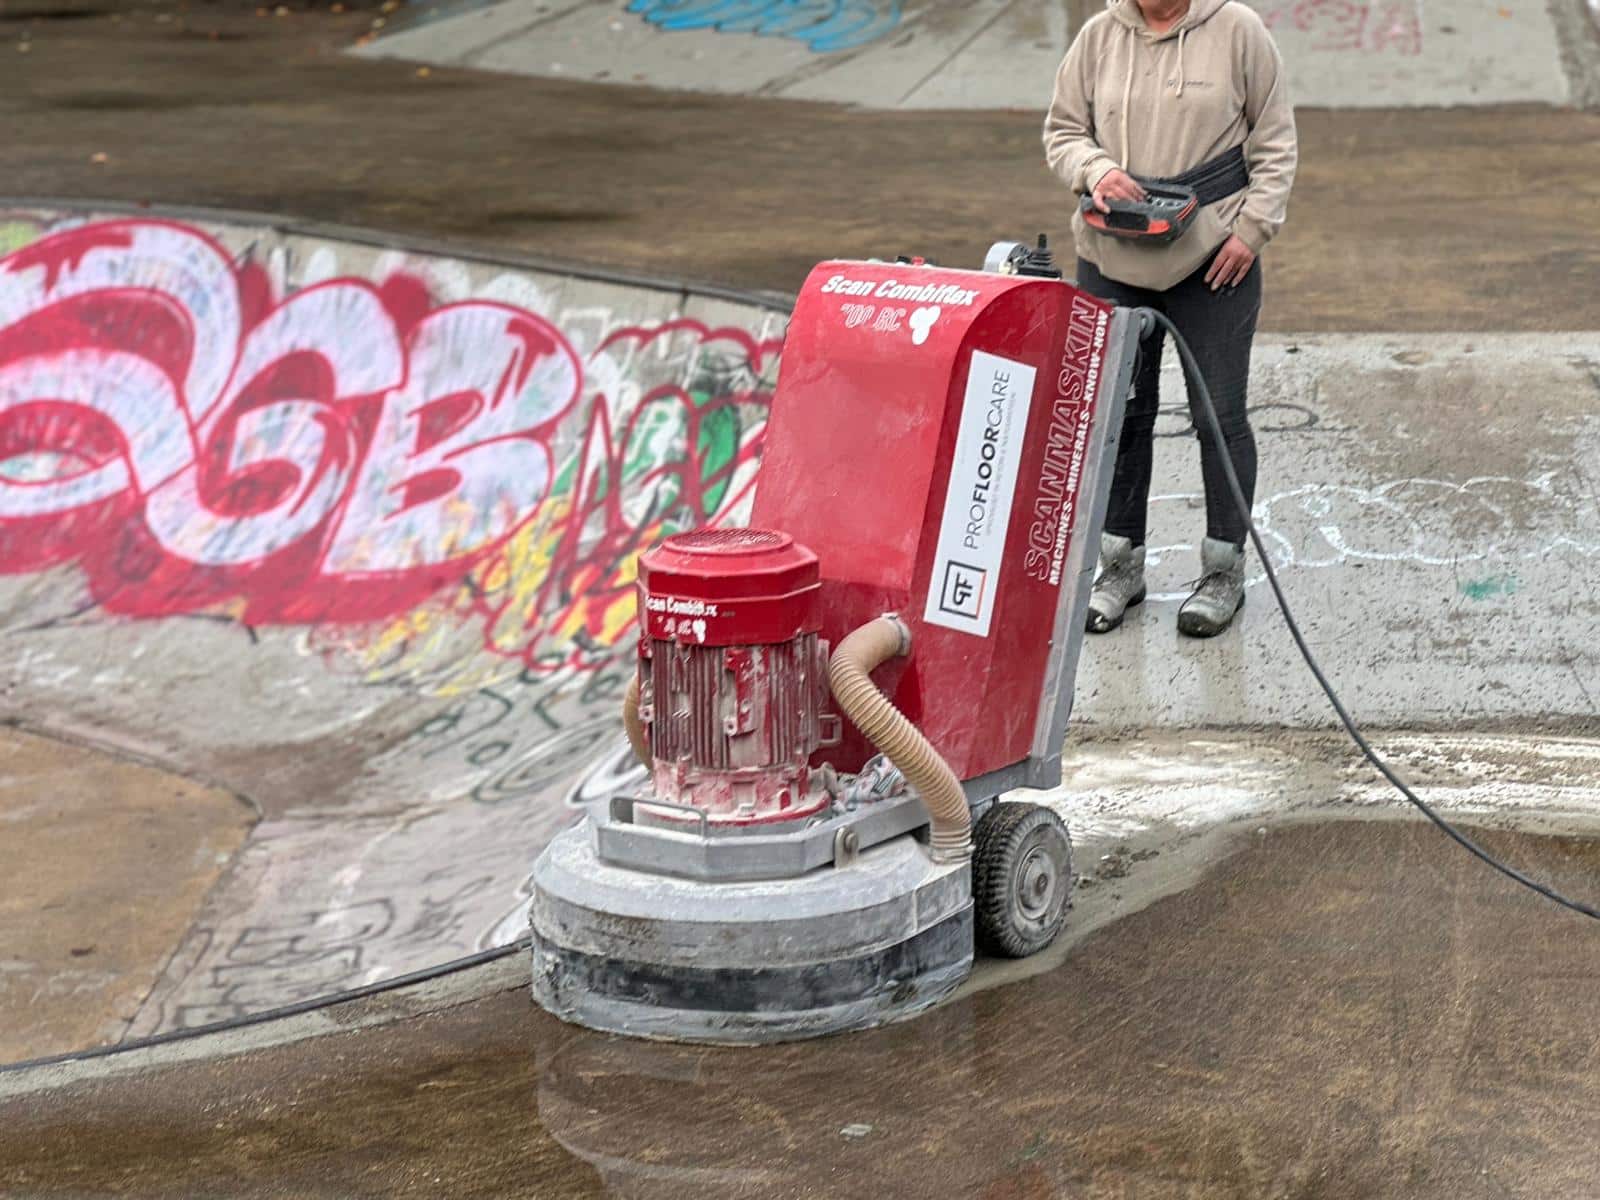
14 235
659 438
719 444
1488 589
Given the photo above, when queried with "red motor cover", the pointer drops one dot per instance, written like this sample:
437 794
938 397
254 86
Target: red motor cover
729 587
732 676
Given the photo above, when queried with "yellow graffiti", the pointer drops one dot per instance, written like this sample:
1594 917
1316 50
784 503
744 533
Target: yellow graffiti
433 646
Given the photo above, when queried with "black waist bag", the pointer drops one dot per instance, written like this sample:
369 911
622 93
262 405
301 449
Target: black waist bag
1170 203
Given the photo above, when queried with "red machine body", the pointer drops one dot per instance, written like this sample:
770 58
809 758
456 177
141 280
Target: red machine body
930 440
733 676
937 449
930 452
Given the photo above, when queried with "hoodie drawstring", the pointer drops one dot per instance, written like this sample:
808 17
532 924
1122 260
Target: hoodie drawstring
1182 33
1127 95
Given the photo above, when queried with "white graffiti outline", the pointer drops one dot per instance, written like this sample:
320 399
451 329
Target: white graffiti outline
1310 526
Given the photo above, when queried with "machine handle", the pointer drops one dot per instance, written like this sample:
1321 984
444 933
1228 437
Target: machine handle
698 814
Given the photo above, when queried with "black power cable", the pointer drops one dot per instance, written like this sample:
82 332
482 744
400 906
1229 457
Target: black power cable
1191 371
299 1008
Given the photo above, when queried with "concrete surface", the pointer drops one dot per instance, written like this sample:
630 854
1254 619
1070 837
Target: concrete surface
1327 1010
989 54
1332 1011
1430 504
105 864
726 189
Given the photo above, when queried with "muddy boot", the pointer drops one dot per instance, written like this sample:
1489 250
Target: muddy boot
1220 595
1120 585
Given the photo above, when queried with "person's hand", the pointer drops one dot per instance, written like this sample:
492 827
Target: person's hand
1231 265
1117 185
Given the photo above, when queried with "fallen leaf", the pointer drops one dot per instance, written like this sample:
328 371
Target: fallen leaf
424 72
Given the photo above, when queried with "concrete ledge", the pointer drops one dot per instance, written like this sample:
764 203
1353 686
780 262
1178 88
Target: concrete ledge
1430 504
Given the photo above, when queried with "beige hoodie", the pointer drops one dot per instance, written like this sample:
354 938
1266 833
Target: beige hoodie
1162 104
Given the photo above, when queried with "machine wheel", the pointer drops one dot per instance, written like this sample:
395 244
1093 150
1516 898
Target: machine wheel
1021 879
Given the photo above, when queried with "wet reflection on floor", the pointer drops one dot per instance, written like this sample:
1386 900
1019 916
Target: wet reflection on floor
1332 1011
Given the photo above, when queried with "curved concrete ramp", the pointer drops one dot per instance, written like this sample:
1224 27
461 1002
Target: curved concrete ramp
995 54
344 530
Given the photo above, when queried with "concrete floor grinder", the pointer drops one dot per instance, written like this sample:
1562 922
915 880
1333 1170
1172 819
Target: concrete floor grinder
831 702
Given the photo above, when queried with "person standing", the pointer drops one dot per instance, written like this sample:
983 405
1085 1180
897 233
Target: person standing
1190 91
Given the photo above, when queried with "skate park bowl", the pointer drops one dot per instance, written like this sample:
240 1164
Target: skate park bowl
341 731
317 556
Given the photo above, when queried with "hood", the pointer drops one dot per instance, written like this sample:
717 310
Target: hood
1200 11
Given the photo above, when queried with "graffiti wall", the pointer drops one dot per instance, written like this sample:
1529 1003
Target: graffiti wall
1347 27
926 54
993 54
822 25
250 432
352 531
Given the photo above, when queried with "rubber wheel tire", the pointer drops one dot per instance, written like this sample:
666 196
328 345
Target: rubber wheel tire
1021 879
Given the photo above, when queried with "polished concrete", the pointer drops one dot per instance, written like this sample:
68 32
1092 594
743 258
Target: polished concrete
105 864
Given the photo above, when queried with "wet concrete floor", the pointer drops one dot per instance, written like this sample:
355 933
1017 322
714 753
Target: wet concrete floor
1336 1010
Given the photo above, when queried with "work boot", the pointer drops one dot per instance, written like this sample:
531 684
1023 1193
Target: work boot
1220 595
1120 585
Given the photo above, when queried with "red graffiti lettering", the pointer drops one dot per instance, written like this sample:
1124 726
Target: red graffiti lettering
1349 26
190 441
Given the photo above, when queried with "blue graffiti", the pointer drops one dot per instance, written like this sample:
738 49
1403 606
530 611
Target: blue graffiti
824 25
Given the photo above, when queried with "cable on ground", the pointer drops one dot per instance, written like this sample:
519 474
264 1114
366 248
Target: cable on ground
1191 370
454 967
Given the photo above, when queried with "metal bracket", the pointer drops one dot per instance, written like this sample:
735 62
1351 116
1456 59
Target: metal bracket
830 730
846 847
745 855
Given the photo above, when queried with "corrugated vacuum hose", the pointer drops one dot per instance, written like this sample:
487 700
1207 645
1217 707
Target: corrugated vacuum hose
887 728
633 725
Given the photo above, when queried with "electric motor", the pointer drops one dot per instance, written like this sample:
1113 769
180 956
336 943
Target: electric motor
733 678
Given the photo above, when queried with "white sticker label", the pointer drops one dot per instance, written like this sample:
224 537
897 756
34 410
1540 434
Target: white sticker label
977 506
